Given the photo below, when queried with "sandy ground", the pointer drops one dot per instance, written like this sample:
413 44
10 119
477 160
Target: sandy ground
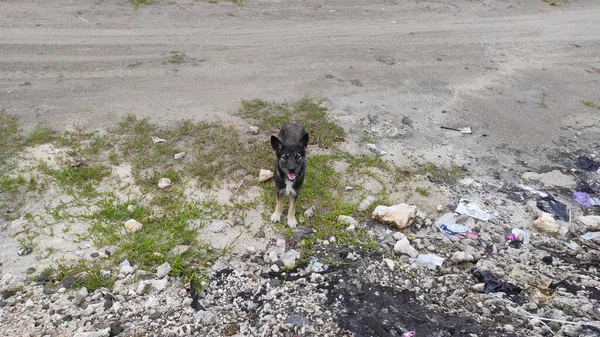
517 72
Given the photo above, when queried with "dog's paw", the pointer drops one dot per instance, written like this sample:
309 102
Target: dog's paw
276 216
292 222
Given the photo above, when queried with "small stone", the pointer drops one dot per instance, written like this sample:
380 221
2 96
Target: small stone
347 220
348 188
132 226
80 296
219 226
350 228
280 243
403 247
157 139
398 216
260 234
251 249
152 302
275 268
179 156
545 223
325 243
439 208
94 255
398 236
68 282
265 175
390 264
164 182
289 258
126 270
29 304
253 130
163 270
309 213
24 251
352 257
459 257
179 250
155 315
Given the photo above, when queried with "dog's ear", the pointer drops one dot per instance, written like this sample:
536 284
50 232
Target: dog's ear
276 144
303 143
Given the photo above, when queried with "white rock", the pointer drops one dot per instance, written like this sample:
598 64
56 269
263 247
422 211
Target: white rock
289 258
126 270
163 270
132 226
152 302
350 228
164 182
265 175
179 156
29 304
399 216
309 213
459 257
253 130
101 333
390 264
545 223
275 268
251 249
280 243
347 220
352 257
589 223
205 317
404 247
439 208
398 236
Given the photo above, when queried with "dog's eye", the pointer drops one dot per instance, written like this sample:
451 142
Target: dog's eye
298 156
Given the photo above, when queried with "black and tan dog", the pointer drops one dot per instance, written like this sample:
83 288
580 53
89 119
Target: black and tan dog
290 163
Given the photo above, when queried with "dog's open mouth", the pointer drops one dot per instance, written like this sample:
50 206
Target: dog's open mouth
291 176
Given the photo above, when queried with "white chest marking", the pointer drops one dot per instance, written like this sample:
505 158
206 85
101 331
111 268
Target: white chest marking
288 188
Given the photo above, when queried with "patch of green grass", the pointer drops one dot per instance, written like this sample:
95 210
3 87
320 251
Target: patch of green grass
239 3
176 57
77 176
8 184
556 2
87 274
137 3
42 134
441 173
271 116
11 139
423 191
367 139
591 104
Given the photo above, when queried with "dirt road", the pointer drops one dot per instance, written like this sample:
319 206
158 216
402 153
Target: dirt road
518 73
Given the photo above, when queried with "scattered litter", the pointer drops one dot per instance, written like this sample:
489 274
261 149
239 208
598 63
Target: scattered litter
587 164
466 129
82 19
125 263
376 149
492 285
472 209
366 203
408 334
591 235
429 260
219 227
571 244
24 251
554 207
297 320
315 266
519 235
457 229
534 191
585 200
157 139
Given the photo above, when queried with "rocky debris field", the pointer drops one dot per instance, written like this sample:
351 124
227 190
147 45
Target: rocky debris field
427 279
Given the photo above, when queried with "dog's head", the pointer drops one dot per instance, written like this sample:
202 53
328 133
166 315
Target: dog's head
290 157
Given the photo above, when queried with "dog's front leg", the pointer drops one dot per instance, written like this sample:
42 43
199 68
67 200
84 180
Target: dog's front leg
276 216
291 219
